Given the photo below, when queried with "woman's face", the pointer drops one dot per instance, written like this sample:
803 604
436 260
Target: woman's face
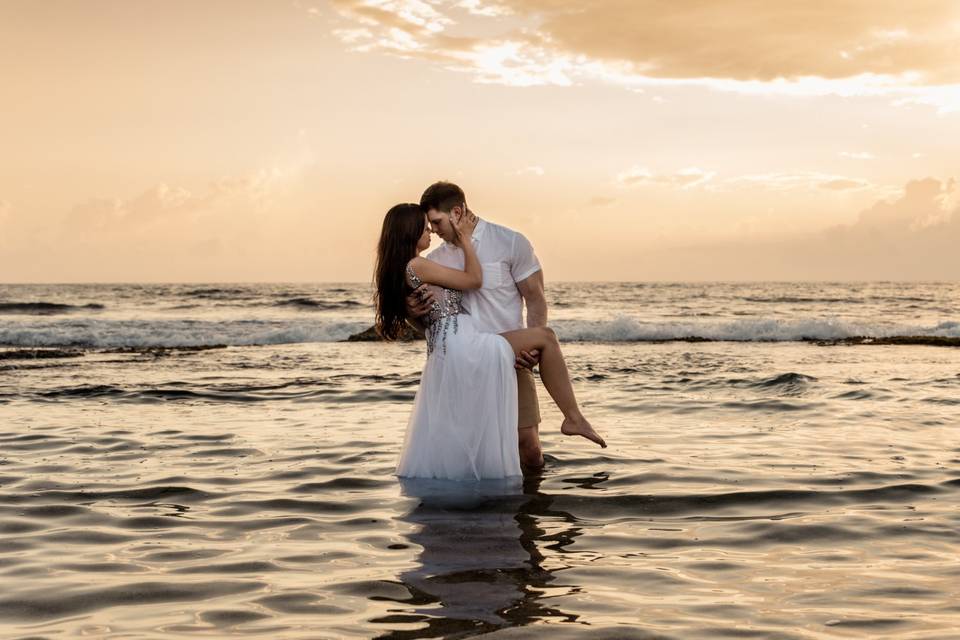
424 242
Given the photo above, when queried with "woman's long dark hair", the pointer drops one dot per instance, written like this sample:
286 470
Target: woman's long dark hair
402 227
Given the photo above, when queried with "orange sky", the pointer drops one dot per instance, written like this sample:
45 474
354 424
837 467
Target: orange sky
241 140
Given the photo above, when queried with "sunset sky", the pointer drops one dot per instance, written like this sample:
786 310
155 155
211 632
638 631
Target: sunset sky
263 140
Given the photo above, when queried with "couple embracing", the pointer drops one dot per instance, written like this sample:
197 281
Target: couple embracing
475 416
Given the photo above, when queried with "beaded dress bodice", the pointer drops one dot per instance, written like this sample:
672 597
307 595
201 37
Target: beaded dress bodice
442 315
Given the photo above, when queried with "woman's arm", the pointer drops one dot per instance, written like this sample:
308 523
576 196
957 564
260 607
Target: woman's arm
433 273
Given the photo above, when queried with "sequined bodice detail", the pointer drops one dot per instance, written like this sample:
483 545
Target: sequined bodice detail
442 316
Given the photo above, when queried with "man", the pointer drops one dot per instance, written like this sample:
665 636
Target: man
512 279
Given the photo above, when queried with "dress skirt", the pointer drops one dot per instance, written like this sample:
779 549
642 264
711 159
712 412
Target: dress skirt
464 420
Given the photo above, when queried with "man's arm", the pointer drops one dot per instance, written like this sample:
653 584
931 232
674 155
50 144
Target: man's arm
531 289
535 299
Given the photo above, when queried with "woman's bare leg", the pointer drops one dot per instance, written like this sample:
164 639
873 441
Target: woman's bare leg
555 377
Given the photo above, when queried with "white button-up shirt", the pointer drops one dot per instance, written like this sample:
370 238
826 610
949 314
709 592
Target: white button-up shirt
506 258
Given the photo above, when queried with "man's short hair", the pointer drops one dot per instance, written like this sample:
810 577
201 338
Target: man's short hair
442 196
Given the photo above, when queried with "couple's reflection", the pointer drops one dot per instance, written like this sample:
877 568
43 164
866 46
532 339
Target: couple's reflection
481 566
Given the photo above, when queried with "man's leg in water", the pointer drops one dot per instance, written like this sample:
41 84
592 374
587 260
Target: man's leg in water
528 421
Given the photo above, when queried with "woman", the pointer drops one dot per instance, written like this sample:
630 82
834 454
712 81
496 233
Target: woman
464 421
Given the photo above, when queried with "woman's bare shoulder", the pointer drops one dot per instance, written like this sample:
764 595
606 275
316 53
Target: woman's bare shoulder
417 263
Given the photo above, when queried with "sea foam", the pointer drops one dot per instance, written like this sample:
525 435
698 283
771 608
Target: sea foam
104 333
92 333
624 329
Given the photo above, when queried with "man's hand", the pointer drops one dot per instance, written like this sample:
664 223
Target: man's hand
418 302
528 359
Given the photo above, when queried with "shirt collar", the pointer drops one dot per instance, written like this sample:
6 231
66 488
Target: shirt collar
477 233
478 230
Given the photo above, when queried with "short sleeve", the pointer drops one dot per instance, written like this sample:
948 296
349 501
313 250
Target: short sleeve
524 262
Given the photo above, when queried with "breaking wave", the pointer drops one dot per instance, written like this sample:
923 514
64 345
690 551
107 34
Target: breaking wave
93 333
746 330
104 333
319 305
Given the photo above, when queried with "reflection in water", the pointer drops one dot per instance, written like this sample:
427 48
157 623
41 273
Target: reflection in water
481 566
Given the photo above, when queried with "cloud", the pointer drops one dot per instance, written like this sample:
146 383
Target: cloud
157 203
692 177
601 201
925 204
354 36
684 178
488 9
857 155
851 48
634 175
843 184
229 227
244 195
533 170
163 204
805 180
746 40
912 236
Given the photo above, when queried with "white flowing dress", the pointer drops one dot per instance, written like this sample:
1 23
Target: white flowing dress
464 420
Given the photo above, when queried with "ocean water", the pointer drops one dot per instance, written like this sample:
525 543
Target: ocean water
215 461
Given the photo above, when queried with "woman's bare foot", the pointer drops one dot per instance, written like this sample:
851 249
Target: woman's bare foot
581 428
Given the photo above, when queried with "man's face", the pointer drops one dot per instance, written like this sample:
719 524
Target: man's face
440 223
